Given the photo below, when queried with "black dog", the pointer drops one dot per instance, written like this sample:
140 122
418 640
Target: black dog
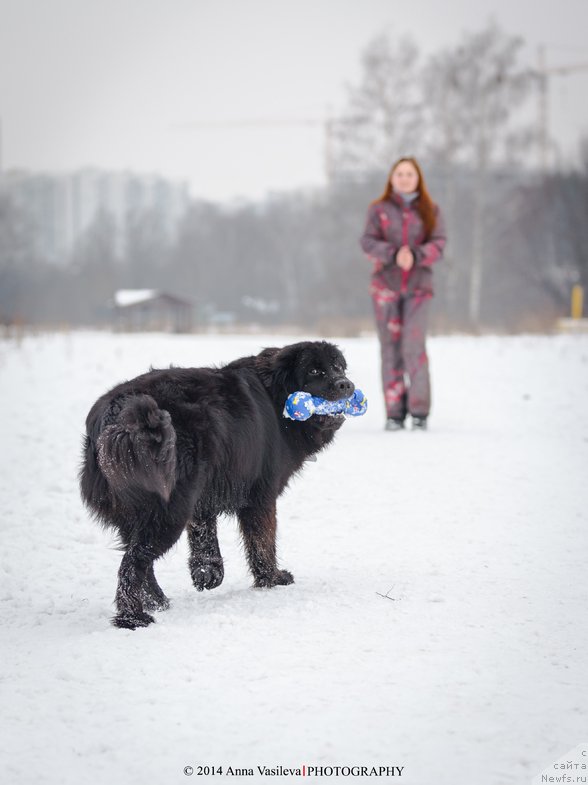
176 448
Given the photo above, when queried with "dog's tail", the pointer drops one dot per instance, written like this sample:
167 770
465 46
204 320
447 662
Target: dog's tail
138 450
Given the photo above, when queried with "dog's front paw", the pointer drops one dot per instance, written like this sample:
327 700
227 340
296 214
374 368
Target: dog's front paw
277 578
207 574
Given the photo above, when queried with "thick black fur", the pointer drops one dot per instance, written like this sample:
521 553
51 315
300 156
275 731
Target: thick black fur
174 449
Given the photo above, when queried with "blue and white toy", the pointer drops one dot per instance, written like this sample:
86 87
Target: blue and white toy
302 405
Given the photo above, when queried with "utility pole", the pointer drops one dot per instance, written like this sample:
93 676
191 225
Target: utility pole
543 75
543 98
479 205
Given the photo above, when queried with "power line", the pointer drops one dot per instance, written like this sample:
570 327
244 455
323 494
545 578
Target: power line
328 123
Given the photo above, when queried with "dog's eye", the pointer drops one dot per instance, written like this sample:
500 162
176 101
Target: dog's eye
314 372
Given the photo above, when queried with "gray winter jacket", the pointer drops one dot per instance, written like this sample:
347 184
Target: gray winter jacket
391 224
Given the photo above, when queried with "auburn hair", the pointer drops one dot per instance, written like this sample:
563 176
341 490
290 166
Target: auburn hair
425 205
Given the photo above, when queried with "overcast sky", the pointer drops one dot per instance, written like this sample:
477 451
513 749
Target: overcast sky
123 84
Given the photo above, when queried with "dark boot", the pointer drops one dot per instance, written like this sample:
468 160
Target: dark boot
419 423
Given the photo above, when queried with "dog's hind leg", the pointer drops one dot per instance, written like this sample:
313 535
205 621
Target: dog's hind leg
150 537
132 575
258 527
153 597
205 562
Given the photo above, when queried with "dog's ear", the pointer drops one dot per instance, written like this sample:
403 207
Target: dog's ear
264 365
276 369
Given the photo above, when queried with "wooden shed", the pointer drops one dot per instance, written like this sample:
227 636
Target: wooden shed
138 310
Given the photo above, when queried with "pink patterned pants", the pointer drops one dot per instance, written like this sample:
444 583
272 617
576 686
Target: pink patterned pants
401 321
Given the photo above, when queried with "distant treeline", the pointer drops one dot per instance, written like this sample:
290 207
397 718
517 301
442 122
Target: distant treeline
518 238
295 259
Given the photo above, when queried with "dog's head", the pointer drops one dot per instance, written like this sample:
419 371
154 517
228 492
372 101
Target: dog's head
316 367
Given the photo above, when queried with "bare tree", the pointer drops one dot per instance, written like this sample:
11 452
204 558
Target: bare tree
382 119
473 94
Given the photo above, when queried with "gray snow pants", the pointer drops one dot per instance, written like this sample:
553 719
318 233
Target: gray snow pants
401 321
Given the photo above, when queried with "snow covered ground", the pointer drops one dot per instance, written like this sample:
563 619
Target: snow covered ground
471 669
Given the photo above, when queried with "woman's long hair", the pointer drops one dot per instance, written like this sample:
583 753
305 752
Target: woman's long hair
424 203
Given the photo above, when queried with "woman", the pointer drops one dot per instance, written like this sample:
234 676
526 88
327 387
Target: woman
403 238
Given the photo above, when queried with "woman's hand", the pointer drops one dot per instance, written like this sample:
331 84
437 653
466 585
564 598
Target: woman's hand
404 258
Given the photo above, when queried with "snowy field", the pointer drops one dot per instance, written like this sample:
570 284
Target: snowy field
470 670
